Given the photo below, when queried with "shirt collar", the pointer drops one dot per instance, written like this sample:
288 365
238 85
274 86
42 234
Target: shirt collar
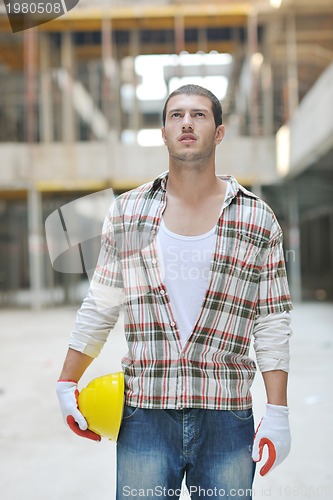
236 187
160 181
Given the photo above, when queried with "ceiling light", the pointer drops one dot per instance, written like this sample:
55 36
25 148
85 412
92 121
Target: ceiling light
276 4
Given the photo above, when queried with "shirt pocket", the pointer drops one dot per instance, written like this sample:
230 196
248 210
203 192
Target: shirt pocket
246 250
236 263
240 257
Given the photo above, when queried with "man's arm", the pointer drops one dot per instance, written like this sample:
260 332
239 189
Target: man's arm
276 387
75 365
271 344
97 316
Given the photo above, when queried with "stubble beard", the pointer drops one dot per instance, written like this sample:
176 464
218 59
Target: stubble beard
192 159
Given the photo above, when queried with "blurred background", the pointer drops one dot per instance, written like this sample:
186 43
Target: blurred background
80 116
80 111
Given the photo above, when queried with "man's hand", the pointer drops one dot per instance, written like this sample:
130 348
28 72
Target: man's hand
274 432
68 393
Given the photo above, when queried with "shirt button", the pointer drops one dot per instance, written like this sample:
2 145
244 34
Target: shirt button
162 292
172 324
153 231
154 262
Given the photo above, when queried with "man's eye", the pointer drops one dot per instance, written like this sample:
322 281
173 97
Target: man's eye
175 115
200 114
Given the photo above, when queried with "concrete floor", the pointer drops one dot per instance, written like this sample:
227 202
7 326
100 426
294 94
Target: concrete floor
40 459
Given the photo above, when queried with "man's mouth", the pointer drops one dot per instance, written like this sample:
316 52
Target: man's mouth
187 138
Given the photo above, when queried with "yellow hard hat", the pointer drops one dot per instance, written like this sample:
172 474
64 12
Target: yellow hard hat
101 403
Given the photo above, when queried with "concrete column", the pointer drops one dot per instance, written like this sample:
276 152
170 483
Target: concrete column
292 72
46 123
34 205
179 34
111 99
293 254
202 47
252 36
330 242
35 247
203 40
108 70
179 42
135 117
267 99
67 63
267 84
30 85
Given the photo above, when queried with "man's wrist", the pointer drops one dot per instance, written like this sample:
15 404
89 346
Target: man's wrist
277 401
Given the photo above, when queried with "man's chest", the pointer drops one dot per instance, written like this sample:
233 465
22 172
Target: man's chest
192 221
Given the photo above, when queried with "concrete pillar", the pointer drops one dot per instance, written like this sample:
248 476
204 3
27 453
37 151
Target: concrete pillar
252 40
135 117
46 121
203 40
267 98
108 71
202 47
330 242
292 72
111 98
34 204
293 252
67 63
179 42
30 85
35 241
179 34
267 84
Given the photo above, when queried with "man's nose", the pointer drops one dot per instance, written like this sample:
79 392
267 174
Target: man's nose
187 122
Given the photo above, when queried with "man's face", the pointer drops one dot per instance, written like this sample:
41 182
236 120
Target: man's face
190 133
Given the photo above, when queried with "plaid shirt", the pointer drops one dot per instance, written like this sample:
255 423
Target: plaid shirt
213 369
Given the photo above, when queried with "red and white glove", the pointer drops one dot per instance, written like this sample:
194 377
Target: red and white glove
68 394
273 432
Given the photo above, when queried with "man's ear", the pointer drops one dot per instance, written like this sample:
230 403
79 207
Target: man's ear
220 131
163 135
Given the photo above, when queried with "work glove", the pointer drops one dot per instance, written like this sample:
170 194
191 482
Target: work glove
274 432
68 394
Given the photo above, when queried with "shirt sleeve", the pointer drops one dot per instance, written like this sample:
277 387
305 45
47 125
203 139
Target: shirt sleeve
271 341
95 319
273 292
100 309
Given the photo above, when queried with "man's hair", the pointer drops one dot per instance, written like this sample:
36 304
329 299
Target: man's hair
191 89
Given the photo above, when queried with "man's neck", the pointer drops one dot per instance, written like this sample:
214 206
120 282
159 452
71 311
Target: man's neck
194 201
192 185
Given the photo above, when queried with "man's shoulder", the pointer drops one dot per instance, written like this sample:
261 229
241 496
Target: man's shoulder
144 190
136 192
245 197
141 201
255 211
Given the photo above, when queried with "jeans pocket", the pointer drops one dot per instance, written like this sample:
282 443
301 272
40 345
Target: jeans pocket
242 415
129 412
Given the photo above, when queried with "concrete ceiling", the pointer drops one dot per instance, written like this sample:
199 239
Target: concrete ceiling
207 26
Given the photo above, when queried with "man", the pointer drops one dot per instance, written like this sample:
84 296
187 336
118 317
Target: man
197 262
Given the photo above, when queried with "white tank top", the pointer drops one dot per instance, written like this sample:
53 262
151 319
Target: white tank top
185 263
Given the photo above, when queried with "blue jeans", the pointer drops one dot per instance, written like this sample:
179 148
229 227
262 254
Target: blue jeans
211 448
